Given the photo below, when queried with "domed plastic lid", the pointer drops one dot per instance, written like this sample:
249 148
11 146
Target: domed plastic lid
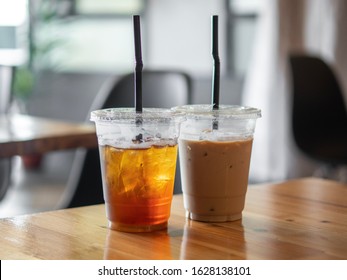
129 114
224 111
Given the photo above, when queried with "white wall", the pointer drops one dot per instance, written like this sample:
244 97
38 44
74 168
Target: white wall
179 34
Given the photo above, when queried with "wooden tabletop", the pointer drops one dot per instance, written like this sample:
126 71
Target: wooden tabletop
23 134
298 219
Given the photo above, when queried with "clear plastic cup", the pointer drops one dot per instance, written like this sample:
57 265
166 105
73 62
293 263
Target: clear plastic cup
138 153
215 151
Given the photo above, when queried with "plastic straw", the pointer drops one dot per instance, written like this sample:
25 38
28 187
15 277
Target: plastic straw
138 64
216 68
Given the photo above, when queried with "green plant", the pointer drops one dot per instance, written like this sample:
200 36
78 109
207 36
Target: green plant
24 81
43 14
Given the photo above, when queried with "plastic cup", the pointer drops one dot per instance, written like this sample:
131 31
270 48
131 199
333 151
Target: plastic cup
214 152
138 153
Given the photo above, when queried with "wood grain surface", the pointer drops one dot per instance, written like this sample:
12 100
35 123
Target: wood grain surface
297 219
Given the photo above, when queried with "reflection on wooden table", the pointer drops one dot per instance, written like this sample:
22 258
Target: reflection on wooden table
297 219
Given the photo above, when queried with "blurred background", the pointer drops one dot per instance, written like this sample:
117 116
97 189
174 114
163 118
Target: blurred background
63 51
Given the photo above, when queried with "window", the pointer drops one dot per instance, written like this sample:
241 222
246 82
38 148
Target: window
87 35
108 7
241 30
13 30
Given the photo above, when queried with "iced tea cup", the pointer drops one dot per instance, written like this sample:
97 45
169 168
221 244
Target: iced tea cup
214 152
138 153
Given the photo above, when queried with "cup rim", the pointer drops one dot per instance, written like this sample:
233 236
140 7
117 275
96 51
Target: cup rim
224 111
127 114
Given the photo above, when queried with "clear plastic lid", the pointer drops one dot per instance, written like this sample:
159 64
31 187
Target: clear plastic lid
224 111
129 114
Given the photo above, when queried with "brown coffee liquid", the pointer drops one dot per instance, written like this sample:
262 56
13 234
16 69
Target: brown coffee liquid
215 178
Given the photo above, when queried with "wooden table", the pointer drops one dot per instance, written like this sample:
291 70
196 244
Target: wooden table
298 219
22 135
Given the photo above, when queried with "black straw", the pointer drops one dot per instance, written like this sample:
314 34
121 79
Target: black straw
138 64
216 68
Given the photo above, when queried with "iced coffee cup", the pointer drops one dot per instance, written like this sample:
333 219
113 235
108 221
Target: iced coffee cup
214 152
138 153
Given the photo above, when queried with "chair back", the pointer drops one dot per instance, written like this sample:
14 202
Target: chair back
6 79
319 117
5 175
160 88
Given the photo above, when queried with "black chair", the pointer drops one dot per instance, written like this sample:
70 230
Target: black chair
319 117
5 176
163 89
6 80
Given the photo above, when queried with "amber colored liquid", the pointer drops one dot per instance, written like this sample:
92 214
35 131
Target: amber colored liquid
138 186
